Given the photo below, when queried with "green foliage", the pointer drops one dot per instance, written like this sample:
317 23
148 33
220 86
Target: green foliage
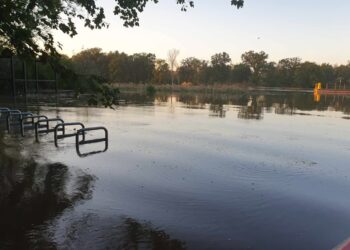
90 69
287 70
106 96
220 67
27 26
151 90
143 66
94 67
240 73
190 70
91 62
327 73
308 74
343 72
256 61
161 72
114 67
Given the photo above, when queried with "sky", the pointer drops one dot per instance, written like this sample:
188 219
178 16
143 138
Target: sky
314 30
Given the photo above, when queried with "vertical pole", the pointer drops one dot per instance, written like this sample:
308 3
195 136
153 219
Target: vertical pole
56 84
25 80
56 88
13 79
36 77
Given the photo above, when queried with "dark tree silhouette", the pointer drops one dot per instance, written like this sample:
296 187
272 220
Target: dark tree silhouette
26 26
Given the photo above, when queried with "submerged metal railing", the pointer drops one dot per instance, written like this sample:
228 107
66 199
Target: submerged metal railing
14 118
79 142
64 135
31 124
41 124
46 126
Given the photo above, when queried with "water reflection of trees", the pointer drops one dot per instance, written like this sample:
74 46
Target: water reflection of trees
253 109
115 233
135 235
280 103
217 110
283 109
35 197
31 194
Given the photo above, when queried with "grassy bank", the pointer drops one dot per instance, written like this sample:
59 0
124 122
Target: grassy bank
217 88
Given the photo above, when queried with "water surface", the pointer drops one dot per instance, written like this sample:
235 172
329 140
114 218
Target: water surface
184 172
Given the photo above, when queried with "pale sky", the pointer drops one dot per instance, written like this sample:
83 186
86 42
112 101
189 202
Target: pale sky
314 30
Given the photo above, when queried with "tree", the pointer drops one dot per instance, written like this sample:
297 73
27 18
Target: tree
256 61
142 67
269 74
119 67
308 74
172 60
343 72
161 72
240 73
286 71
27 26
91 62
327 73
221 67
190 69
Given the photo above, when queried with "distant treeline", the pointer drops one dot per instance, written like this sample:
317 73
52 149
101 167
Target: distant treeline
141 68
117 67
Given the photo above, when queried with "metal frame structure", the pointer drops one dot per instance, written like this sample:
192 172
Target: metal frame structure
46 126
13 80
64 135
3 111
41 125
31 123
18 115
82 132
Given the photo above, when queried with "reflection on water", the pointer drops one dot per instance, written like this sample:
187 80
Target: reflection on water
31 194
217 110
34 195
253 109
252 106
203 171
114 233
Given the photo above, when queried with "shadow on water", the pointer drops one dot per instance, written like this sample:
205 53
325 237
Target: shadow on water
92 230
32 193
35 196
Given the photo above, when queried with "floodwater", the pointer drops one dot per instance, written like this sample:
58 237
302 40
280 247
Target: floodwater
183 172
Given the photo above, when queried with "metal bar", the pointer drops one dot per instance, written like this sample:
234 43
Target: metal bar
30 80
66 136
25 77
92 141
9 116
82 132
48 130
13 77
64 125
23 119
3 111
56 84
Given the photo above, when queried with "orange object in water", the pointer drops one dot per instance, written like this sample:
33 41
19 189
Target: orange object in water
319 91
